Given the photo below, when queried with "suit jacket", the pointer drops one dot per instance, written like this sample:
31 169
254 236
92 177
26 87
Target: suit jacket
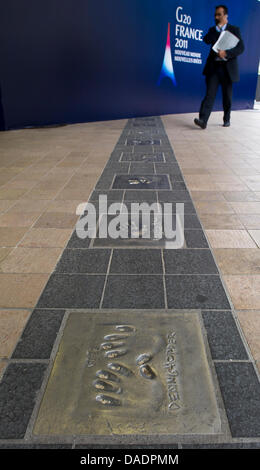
231 63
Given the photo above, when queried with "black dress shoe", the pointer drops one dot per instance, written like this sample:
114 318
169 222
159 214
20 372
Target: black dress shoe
200 123
226 124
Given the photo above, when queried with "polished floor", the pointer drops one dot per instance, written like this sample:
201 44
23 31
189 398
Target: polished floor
45 269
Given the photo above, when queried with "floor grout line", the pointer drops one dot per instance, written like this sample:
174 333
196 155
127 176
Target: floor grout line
105 283
164 281
231 361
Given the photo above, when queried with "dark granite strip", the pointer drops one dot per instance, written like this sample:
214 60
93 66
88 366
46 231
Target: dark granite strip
179 195
104 183
111 195
18 392
140 149
86 261
169 158
120 167
127 205
188 206
145 133
136 262
39 335
191 221
76 242
195 239
223 336
177 185
134 291
196 292
115 155
140 196
240 389
189 262
72 291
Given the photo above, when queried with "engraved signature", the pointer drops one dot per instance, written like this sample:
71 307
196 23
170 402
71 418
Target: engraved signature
172 373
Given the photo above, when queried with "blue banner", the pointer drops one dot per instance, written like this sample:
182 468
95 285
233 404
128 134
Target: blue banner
87 60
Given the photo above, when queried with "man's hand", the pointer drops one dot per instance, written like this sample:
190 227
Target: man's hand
222 54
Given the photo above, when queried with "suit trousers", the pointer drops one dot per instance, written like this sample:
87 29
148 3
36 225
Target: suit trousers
219 76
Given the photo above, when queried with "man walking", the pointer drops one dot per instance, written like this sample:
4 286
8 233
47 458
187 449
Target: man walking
221 68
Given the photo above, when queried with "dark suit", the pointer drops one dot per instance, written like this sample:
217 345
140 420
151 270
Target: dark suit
222 73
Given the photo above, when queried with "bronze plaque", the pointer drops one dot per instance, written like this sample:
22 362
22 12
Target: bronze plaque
130 373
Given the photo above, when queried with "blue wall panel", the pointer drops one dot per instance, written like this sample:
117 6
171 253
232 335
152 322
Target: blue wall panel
87 60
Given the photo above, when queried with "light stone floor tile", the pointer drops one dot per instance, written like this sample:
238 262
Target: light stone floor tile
240 171
250 323
29 205
225 171
221 221
37 193
10 236
251 221
230 239
213 207
246 207
6 204
51 184
251 179
56 220
18 219
76 193
253 186
200 182
20 184
207 196
241 196
12 193
21 290
231 186
255 234
195 171
31 174
238 260
46 238
3 254
31 260
244 291
232 179
81 182
12 323
68 206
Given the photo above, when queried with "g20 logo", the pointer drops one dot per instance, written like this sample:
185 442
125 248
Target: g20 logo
185 19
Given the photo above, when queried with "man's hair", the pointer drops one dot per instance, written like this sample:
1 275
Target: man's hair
224 8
